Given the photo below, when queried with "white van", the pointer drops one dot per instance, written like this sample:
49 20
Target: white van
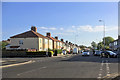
75 51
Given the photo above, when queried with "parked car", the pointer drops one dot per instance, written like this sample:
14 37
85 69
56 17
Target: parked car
85 53
75 51
108 54
64 52
97 53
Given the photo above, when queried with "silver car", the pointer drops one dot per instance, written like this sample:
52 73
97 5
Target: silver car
86 53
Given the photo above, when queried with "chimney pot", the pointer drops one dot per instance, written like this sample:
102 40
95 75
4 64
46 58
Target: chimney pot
62 40
56 37
48 34
34 28
66 41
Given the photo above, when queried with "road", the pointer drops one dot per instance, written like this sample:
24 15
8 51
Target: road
75 66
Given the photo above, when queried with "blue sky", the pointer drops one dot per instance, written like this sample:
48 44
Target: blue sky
63 19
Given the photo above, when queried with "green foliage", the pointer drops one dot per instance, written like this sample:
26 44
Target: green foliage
36 52
108 40
50 49
82 47
93 44
100 46
40 53
51 52
3 44
58 51
107 47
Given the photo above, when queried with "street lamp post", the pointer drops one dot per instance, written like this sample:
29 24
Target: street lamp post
103 32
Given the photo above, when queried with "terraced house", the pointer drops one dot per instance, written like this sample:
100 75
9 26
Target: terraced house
31 40
56 44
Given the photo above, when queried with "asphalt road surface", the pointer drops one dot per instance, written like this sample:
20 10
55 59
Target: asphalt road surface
75 66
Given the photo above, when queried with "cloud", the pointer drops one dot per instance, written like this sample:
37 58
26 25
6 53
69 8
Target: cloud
115 28
45 28
52 28
89 28
60 33
73 26
61 28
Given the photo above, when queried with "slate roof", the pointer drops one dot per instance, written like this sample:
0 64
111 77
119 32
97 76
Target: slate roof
29 34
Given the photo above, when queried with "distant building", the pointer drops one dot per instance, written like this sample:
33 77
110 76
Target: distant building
114 45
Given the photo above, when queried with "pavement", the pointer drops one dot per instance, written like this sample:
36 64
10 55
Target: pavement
65 66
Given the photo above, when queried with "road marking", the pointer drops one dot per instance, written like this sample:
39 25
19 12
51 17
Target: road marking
31 71
17 64
107 68
100 72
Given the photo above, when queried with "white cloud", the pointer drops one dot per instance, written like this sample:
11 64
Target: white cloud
115 28
60 33
89 28
52 28
45 28
61 28
73 26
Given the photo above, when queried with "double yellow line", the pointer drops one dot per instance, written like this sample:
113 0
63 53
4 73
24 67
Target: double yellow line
113 75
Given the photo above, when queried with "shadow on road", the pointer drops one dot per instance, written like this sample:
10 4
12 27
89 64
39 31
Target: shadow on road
91 58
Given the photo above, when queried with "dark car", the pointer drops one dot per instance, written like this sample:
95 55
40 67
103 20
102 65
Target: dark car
108 54
97 53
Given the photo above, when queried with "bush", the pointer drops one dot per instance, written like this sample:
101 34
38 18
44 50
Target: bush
36 52
58 51
39 53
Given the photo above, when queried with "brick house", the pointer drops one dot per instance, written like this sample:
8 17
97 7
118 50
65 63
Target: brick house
31 40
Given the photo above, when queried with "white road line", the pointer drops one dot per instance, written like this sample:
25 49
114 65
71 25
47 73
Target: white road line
101 69
30 71
107 68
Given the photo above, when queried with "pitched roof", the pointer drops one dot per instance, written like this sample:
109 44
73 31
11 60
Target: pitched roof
29 34
54 39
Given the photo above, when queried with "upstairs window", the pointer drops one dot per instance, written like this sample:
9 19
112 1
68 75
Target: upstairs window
21 42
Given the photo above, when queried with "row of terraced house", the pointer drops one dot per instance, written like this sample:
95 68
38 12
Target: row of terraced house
34 40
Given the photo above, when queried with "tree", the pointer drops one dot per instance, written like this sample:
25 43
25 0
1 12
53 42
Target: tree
94 45
82 47
3 44
108 40
100 46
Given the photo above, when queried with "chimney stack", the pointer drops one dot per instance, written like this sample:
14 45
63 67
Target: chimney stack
34 28
66 41
48 34
56 37
62 40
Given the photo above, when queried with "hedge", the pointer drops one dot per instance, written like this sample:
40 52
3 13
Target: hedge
58 51
40 53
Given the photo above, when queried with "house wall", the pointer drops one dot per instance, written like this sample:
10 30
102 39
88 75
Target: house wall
50 44
55 45
30 43
40 44
45 44
61 45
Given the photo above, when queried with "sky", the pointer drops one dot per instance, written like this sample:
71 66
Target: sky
77 22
